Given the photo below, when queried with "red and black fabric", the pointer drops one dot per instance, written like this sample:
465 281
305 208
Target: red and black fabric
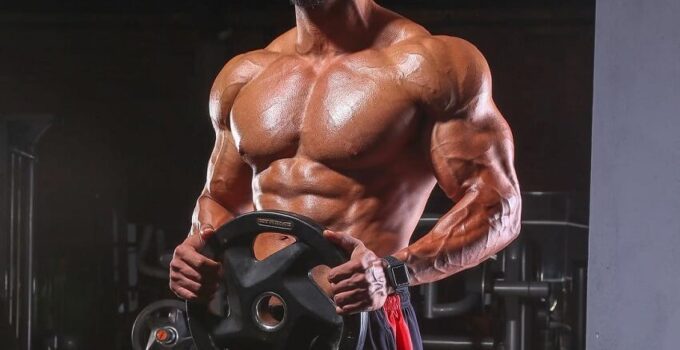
394 327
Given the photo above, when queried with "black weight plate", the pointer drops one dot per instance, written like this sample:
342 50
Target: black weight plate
286 274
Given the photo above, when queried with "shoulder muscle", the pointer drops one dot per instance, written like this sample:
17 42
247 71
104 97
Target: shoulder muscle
458 75
234 75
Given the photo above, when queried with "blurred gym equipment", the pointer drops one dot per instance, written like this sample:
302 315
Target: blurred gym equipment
19 136
162 325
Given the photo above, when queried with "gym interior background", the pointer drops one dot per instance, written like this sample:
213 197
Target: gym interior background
104 139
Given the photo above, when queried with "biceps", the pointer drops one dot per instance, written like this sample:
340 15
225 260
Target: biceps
229 177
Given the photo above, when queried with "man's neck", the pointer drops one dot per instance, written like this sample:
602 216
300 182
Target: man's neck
337 26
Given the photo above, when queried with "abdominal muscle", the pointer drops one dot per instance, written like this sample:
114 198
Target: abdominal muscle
379 207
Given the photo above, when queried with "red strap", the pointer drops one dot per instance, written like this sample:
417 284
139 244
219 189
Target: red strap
395 317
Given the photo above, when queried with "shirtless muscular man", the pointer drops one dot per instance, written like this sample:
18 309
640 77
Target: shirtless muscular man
350 119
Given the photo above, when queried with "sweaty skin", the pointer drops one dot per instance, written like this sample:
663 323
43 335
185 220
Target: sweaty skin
351 118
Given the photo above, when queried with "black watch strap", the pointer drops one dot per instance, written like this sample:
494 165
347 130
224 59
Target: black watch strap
396 273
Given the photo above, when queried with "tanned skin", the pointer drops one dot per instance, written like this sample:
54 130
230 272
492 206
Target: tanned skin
351 118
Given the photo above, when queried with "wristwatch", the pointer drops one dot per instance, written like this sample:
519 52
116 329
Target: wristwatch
396 273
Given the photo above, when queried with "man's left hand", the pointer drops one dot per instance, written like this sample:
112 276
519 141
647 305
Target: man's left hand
359 284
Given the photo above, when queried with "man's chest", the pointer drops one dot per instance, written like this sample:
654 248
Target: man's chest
337 115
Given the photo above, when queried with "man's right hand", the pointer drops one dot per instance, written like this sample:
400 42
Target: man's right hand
194 277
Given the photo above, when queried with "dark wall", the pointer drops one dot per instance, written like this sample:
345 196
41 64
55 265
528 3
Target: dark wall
130 132
542 68
633 300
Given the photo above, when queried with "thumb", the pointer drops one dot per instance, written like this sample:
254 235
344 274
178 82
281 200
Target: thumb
343 240
200 239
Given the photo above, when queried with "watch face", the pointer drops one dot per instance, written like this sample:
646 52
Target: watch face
400 275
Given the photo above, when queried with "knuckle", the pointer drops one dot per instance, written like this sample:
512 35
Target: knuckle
182 275
175 264
340 287
180 250
192 288
339 299
199 278
186 271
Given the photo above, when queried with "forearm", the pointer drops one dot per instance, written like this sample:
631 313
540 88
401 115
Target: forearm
478 226
209 213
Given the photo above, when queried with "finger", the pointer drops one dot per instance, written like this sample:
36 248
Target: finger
353 282
343 240
198 239
185 294
345 271
351 297
200 263
188 250
356 308
179 266
195 241
206 232
185 283
198 292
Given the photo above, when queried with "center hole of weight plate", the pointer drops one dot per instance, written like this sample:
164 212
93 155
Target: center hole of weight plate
269 311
